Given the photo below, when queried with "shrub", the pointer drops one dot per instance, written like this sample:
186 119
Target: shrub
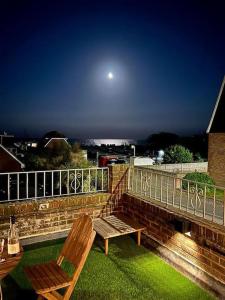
177 154
200 178
198 158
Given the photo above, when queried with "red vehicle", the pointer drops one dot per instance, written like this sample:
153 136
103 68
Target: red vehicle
104 161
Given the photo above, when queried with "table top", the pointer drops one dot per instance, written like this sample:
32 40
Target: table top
10 262
116 225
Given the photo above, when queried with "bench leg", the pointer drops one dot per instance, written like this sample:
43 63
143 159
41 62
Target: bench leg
106 246
1 296
139 237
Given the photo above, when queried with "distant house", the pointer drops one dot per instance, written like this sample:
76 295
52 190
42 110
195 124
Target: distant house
54 143
31 144
53 140
5 137
9 162
8 141
216 146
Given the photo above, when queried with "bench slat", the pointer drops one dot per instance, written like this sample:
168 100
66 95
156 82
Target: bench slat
116 225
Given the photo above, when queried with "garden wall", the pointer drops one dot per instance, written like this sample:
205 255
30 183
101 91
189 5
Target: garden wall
202 253
182 168
55 214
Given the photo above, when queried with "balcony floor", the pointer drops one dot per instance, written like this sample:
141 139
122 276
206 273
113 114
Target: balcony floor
129 272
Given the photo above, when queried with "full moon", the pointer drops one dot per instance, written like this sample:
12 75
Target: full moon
110 76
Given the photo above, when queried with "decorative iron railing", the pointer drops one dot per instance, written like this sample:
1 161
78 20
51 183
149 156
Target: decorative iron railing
203 200
40 184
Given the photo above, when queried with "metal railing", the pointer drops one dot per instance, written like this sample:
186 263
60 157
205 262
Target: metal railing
40 184
203 200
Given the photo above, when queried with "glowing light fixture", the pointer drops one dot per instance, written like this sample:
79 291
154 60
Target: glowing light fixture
134 148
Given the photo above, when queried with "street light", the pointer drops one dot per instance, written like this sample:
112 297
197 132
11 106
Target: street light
97 156
133 147
160 156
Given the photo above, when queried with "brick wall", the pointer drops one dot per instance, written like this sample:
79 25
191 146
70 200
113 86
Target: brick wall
118 176
216 157
56 215
205 248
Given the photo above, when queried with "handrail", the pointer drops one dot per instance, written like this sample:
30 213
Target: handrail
201 199
51 183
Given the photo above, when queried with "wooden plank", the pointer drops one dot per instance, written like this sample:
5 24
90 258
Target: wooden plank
47 277
116 225
104 229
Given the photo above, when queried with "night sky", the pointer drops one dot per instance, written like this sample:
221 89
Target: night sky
167 58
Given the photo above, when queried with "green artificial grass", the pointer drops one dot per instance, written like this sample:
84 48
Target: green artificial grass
129 272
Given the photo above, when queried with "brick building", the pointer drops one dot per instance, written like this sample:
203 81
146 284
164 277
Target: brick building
216 147
9 162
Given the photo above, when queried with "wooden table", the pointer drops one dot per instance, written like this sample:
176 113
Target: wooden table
117 225
9 264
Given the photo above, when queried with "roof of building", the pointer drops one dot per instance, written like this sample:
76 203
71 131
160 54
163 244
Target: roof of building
53 134
7 140
54 138
13 156
217 121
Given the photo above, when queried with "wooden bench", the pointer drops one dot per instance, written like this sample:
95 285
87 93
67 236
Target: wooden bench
117 225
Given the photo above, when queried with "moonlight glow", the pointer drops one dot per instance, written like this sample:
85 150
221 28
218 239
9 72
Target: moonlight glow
110 76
